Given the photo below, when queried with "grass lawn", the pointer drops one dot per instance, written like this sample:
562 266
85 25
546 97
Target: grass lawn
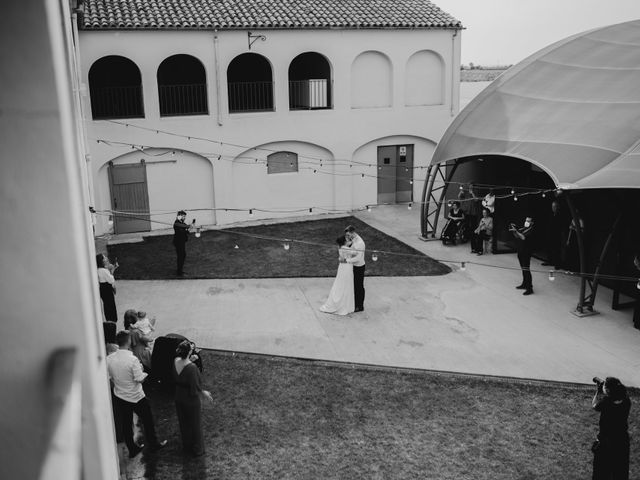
213 254
279 418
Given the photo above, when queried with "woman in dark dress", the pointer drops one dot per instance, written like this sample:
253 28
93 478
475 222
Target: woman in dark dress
107 287
188 398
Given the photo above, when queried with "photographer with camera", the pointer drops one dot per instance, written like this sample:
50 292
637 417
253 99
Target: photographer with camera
611 449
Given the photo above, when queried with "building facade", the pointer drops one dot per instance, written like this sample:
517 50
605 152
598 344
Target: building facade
249 113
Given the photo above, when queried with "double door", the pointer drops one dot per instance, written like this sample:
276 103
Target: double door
129 197
395 174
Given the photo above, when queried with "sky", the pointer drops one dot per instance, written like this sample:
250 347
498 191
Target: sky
504 32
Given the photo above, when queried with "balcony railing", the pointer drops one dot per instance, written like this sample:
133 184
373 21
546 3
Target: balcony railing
308 94
116 102
250 96
183 99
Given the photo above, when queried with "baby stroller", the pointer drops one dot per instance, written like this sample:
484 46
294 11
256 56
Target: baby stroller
454 231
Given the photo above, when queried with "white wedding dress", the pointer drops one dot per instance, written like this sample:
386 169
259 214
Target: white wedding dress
341 300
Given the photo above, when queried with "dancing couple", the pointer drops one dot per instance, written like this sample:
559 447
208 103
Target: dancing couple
347 293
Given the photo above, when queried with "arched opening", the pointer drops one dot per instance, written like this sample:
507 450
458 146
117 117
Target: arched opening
182 86
371 81
309 82
115 87
250 84
424 83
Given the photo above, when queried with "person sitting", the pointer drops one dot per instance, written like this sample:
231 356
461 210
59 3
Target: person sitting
483 232
455 222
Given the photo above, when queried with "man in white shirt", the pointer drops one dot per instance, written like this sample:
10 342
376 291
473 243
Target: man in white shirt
357 260
125 371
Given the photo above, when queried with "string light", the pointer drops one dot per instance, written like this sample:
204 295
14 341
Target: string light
198 232
409 206
286 245
515 198
374 256
109 213
552 276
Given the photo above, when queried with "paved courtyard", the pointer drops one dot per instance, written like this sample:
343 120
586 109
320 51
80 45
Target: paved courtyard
471 321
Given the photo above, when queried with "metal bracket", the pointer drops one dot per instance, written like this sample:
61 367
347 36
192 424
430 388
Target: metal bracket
251 39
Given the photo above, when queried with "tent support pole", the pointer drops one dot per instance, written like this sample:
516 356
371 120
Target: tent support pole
430 204
585 303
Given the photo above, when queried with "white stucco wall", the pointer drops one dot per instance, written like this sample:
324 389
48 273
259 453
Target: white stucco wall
337 133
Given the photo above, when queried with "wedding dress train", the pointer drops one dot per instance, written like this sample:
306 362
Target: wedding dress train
341 300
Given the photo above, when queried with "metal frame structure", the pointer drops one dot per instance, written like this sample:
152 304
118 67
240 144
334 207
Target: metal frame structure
433 198
432 202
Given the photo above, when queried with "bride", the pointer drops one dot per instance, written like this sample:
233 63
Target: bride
341 300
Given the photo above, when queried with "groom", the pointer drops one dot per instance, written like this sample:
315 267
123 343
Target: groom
357 260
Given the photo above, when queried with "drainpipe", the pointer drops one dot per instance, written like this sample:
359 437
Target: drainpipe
453 68
216 55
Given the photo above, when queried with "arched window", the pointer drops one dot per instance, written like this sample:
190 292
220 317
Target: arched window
282 162
115 86
424 84
250 84
182 86
309 82
371 81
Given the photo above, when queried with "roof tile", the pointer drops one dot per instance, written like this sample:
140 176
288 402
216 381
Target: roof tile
276 14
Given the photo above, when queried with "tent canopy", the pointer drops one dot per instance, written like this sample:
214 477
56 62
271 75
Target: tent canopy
573 109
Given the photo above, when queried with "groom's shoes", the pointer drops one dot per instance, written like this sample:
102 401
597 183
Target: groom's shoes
359 309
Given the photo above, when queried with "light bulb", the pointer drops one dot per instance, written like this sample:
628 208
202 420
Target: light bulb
552 276
513 191
374 256
251 212
362 175
409 206
198 232
286 246
410 182
638 285
380 167
463 266
236 246
543 195
515 199
461 187
310 210
368 209
110 221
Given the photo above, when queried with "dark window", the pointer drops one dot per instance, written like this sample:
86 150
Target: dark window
115 87
282 162
250 84
309 82
182 86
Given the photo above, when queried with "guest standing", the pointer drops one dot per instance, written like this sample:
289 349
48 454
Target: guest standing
483 232
125 371
523 237
107 284
180 238
611 450
489 202
188 399
141 344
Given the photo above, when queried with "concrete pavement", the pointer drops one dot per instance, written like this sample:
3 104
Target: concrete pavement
471 321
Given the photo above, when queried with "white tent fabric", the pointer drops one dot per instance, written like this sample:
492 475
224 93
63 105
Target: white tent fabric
573 109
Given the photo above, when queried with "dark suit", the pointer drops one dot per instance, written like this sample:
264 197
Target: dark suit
524 255
180 238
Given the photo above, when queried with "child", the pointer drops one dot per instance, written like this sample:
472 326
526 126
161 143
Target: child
145 325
